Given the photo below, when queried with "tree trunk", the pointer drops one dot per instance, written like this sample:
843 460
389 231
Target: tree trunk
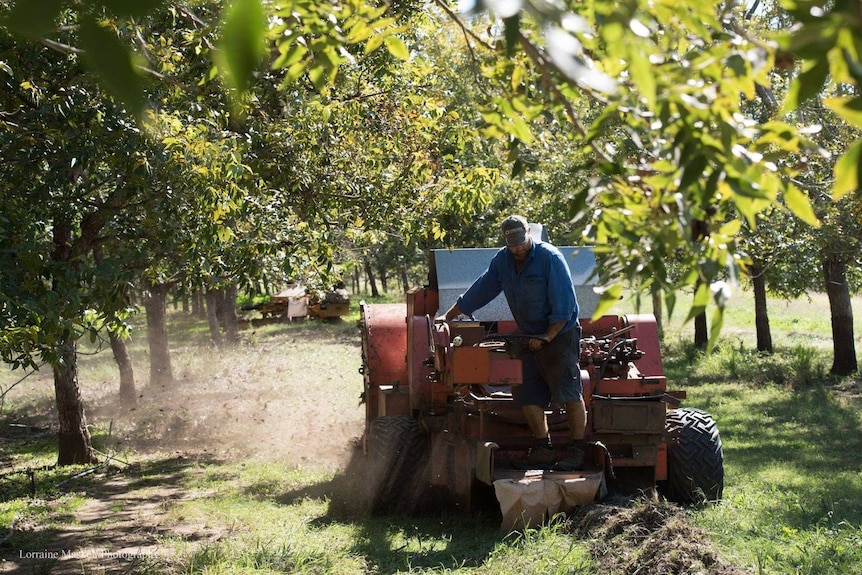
155 304
701 336
405 281
761 315
369 272
229 319
128 394
198 305
841 309
73 440
657 312
384 280
212 305
74 446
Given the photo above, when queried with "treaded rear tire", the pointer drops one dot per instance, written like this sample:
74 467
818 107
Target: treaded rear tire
695 459
397 451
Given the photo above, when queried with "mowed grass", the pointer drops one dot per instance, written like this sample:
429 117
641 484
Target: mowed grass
792 438
792 443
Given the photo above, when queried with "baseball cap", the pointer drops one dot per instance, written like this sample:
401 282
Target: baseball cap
514 230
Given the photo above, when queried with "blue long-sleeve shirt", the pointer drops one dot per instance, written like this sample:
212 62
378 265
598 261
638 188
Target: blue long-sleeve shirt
540 294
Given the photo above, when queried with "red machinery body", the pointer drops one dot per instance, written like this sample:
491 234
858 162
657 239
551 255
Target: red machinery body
446 377
440 418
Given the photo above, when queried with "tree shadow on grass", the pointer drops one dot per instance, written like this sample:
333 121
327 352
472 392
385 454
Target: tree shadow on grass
119 526
805 444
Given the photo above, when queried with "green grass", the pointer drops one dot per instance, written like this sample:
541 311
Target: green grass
792 441
281 520
793 500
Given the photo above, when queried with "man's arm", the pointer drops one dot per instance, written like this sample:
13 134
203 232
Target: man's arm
540 340
450 314
553 330
486 287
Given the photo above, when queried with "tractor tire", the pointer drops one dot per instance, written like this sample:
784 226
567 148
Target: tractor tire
397 452
695 462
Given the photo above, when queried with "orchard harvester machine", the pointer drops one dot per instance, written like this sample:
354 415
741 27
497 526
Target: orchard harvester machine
441 427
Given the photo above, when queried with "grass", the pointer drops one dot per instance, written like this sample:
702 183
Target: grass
276 526
792 437
793 497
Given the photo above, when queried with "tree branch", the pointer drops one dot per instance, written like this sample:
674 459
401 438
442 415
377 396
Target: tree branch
60 47
468 34
543 64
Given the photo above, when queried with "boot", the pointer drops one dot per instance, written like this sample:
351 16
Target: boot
540 456
574 459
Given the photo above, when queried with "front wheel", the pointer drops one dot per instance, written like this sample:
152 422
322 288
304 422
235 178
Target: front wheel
396 457
695 462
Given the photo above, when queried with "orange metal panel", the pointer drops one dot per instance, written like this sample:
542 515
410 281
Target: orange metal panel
420 384
421 301
627 416
384 351
470 365
646 332
394 403
638 386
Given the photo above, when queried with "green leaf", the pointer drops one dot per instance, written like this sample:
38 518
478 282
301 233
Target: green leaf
397 47
610 297
715 328
293 54
800 205
317 74
242 42
111 60
33 18
374 43
692 172
807 85
670 303
847 171
848 108
701 300
643 74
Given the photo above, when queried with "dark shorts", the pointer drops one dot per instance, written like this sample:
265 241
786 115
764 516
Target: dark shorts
552 373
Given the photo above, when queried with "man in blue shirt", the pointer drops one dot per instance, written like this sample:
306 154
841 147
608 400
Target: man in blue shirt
537 283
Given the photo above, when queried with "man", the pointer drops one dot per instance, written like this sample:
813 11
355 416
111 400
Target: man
537 283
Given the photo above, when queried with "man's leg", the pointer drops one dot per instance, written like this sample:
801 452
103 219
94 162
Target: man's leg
542 454
537 421
576 416
532 397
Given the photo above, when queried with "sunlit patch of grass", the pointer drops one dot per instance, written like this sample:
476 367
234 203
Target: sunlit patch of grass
279 520
793 492
33 522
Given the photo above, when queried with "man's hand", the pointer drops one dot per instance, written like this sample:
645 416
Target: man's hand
450 313
537 342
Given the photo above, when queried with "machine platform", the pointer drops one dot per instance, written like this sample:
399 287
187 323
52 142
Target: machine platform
528 498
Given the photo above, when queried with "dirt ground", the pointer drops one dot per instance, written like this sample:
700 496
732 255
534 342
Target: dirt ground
294 399
291 397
